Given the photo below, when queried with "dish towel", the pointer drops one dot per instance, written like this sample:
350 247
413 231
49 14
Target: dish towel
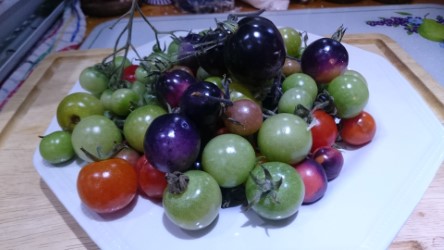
66 33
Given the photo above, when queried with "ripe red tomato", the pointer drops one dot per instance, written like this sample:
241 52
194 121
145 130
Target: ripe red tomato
325 130
107 186
152 182
129 73
358 130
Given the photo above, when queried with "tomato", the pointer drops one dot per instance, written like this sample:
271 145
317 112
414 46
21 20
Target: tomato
123 101
56 147
255 53
301 80
129 73
96 134
277 194
93 80
128 154
315 180
350 94
294 97
229 158
244 117
324 131
292 40
284 138
107 186
358 130
137 122
324 59
198 205
76 106
151 181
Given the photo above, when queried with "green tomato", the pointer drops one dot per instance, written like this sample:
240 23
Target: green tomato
350 95
229 158
56 147
284 138
278 197
352 72
302 81
76 106
96 134
198 205
119 60
292 40
93 80
137 123
292 98
142 75
123 101
140 89
106 99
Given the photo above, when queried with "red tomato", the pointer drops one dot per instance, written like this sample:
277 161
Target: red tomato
152 182
325 131
129 73
107 186
358 130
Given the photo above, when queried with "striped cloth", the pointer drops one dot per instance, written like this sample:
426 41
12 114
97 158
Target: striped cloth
66 33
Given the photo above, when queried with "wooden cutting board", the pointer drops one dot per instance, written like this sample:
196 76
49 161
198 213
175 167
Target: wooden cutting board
32 217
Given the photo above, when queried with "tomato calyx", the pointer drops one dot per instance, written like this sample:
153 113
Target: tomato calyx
266 187
339 33
323 102
177 182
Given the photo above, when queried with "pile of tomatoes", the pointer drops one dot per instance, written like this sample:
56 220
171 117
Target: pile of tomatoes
243 114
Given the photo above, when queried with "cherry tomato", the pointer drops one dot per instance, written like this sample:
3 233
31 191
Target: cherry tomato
244 117
284 138
277 194
198 205
350 94
229 158
151 181
324 131
107 186
56 147
358 130
93 80
129 73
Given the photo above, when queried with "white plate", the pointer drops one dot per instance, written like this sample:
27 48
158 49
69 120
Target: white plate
363 208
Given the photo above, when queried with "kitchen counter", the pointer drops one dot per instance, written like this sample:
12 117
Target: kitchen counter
32 217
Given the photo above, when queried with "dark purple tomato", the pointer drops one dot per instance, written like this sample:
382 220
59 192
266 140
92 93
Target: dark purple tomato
255 53
324 59
201 102
211 56
187 51
314 178
172 143
171 85
331 160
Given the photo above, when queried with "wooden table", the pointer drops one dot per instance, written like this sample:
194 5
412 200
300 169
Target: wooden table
31 217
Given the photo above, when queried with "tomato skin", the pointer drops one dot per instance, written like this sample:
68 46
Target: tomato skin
129 73
358 130
107 186
325 130
198 206
151 181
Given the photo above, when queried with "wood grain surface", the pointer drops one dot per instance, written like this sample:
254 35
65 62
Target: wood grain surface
31 217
